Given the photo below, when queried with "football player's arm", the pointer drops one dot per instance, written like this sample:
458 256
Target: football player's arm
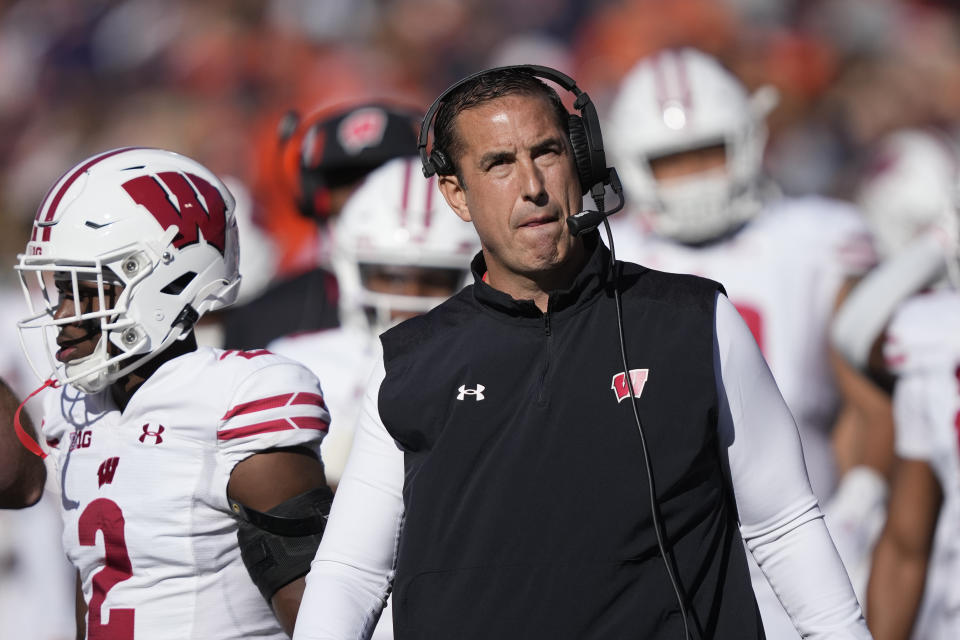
268 444
863 430
900 558
862 440
780 519
351 575
859 322
266 480
22 473
80 613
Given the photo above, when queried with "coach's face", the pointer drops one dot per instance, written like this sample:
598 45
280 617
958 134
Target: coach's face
519 187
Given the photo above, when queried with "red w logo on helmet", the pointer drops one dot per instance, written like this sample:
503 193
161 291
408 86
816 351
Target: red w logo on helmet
193 216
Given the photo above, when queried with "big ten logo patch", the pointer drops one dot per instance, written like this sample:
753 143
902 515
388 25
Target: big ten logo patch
80 439
638 378
107 470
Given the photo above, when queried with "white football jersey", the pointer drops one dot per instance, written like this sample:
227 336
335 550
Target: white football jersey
783 272
922 347
144 491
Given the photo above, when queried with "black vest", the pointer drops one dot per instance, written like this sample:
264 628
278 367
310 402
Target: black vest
526 497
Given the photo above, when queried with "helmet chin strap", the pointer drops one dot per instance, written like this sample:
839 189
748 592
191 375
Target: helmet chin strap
31 445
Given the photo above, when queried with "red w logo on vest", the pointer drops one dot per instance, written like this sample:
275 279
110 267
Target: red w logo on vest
638 377
191 214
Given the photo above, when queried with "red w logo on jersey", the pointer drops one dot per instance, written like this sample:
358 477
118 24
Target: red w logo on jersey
638 377
107 470
191 203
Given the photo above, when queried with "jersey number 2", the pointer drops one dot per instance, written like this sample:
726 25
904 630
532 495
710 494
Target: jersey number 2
104 515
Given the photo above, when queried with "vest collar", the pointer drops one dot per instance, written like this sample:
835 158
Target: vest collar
586 286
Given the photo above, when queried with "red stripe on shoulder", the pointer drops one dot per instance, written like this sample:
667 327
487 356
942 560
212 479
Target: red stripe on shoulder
275 402
270 426
254 429
263 404
309 398
311 423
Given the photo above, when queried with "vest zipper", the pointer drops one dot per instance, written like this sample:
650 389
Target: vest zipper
548 333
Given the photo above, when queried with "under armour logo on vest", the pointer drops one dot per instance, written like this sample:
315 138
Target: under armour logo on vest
152 434
638 378
476 393
106 471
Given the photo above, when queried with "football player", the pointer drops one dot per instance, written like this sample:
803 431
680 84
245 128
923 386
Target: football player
397 252
901 321
332 150
189 477
688 141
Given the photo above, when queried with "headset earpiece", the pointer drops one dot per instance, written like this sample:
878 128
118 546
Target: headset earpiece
440 164
593 165
581 151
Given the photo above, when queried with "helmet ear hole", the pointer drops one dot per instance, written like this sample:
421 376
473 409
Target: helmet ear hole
176 287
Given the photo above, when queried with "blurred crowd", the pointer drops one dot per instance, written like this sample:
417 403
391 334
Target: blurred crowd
215 80
212 78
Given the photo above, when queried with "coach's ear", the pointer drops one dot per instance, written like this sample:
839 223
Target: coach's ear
456 196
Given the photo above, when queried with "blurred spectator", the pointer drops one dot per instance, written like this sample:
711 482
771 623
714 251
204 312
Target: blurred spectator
333 150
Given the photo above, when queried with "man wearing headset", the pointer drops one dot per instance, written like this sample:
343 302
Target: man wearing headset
498 482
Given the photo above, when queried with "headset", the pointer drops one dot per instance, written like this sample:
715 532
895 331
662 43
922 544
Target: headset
585 136
590 160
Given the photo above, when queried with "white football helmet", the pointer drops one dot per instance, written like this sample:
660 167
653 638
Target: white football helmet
397 219
682 100
910 187
157 224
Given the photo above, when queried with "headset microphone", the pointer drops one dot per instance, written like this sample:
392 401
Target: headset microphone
590 219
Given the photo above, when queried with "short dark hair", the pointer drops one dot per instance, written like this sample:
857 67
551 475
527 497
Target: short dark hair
497 83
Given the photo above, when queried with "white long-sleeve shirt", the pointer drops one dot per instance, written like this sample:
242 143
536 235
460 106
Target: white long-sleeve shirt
780 519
